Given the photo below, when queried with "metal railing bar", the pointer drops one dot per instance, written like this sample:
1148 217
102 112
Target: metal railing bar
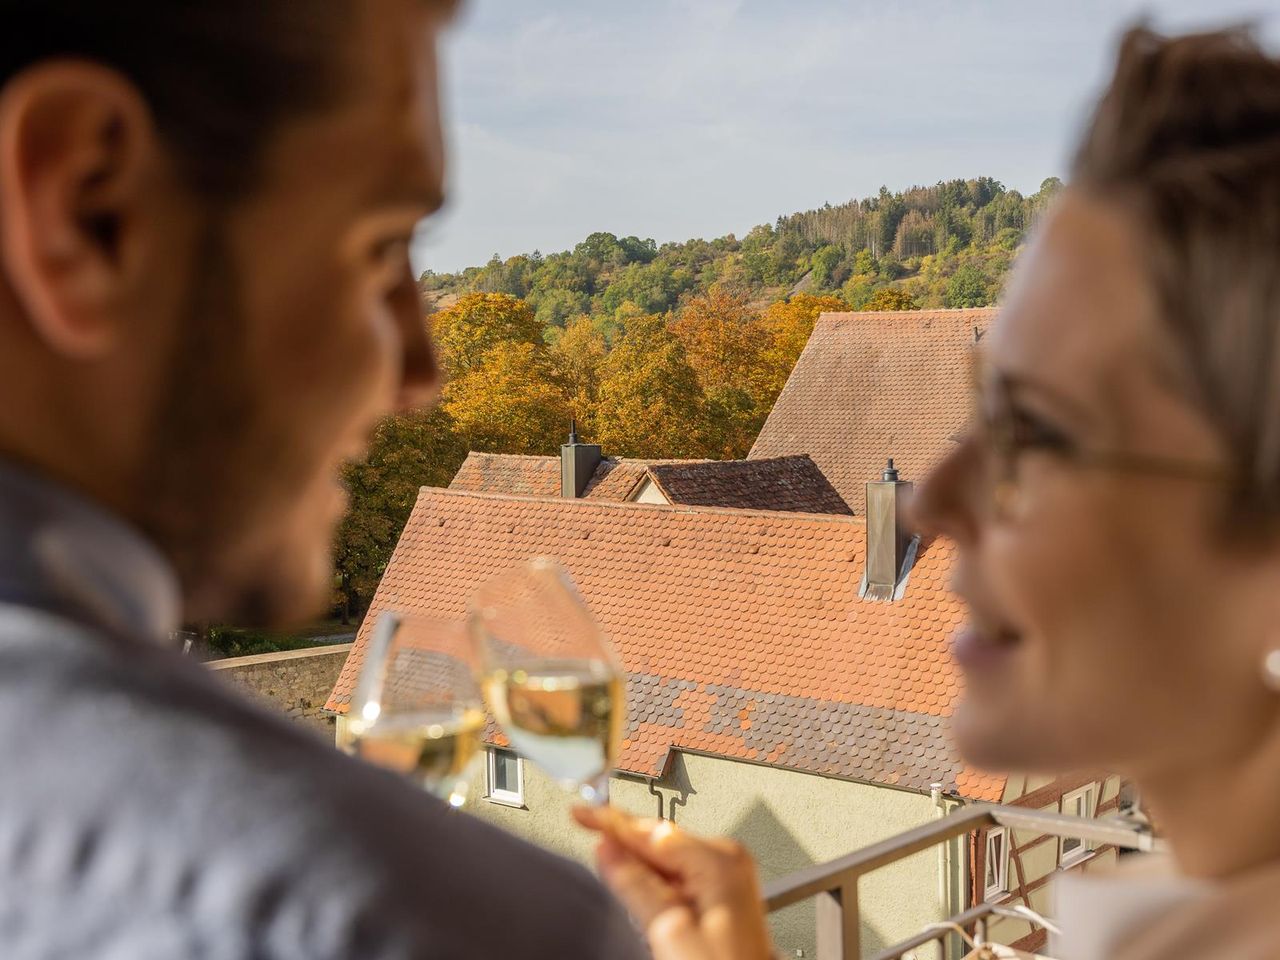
820 877
932 935
808 881
1114 831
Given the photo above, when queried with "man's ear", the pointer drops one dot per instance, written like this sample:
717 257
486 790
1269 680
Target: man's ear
76 143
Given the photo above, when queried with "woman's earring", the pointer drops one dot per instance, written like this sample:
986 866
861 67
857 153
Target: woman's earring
1271 669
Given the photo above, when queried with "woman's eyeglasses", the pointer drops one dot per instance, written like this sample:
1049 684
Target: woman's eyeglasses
1005 432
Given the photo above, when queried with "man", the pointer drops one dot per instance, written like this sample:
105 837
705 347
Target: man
205 303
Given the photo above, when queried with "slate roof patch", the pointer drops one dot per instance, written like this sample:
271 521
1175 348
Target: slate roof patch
778 483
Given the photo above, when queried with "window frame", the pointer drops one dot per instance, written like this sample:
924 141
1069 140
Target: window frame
1000 889
507 798
1089 794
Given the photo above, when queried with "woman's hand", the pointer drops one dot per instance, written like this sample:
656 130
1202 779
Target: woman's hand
696 899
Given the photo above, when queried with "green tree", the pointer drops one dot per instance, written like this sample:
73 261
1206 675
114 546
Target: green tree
969 286
406 452
890 298
554 307
823 263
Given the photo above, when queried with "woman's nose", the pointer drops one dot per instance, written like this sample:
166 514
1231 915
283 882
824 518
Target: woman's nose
943 503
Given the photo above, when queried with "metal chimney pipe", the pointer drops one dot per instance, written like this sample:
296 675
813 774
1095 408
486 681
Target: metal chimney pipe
887 541
578 462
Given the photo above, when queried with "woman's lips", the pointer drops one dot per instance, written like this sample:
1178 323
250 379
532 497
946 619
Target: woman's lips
975 649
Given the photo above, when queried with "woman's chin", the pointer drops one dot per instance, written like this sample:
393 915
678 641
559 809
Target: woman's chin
989 739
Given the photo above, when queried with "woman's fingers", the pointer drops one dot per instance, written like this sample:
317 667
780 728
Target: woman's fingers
668 921
703 887
715 866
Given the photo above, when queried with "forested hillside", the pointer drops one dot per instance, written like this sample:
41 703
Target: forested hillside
671 351
947 245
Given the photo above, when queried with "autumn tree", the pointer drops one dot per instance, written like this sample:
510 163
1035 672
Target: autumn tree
577 356
725 343
478 322
722 337
501 393
649 402
509 402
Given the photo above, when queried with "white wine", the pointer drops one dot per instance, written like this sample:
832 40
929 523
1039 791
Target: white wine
435 747
566 716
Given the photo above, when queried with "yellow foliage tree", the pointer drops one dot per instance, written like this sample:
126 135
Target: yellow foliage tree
576 357
725 343
722 338
466 331
508 402
649 402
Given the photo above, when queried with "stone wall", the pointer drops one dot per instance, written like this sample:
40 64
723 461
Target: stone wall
296 682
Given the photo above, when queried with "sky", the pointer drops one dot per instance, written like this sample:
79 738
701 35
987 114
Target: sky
675 119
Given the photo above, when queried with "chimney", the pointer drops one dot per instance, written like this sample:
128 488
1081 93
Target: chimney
578 462
889 546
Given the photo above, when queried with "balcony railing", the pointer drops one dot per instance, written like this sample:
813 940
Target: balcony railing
834 884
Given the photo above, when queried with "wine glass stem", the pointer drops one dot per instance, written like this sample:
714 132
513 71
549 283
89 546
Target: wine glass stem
595 793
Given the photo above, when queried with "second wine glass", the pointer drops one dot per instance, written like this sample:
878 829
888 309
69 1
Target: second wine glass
550 676
416 708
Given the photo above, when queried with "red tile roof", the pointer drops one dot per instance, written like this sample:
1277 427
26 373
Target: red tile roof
779 483
874 385
742 631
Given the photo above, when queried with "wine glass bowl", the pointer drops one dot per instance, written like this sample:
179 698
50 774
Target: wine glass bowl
416 707
549 675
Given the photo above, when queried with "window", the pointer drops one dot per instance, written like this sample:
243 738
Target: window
996 883
506 778
1077 803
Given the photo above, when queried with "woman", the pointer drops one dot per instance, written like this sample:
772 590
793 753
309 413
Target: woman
1116 507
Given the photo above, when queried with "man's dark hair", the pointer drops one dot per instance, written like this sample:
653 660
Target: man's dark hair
220 75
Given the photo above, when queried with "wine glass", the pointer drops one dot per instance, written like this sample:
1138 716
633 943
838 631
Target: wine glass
550 676
416 707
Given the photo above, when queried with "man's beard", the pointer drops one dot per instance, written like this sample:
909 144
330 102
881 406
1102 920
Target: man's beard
205 476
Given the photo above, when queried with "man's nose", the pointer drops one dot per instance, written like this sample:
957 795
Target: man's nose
420 377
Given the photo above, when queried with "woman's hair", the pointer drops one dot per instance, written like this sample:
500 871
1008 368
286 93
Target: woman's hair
221 76
1188 135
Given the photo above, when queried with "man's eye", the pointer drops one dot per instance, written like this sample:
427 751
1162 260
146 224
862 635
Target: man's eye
391 249
391 261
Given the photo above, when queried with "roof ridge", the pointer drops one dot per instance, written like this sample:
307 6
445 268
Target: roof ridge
682 508
513 456
736 461
865 316
660 461
923 311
